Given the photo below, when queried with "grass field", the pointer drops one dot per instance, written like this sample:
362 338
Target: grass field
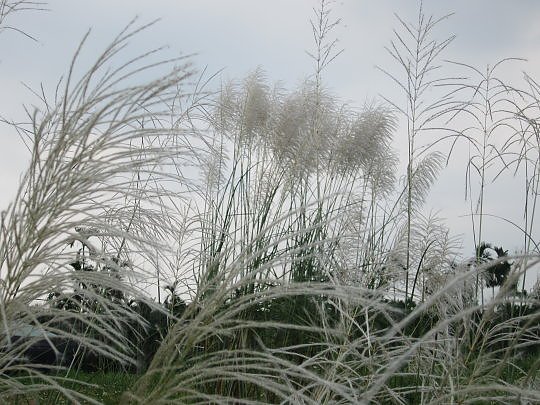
248 243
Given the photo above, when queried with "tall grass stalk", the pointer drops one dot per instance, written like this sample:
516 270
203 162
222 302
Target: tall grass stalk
487 110
417 54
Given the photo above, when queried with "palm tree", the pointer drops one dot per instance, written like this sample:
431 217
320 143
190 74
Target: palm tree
495 275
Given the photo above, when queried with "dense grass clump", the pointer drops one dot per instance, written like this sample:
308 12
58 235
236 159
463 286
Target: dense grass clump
298 267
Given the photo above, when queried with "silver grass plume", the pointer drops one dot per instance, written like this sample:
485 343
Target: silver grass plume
365 145
85 146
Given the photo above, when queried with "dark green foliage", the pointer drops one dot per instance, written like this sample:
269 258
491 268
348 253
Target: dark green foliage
144 330
105 387
496 274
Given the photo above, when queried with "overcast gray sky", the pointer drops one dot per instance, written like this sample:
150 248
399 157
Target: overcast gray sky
241 35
